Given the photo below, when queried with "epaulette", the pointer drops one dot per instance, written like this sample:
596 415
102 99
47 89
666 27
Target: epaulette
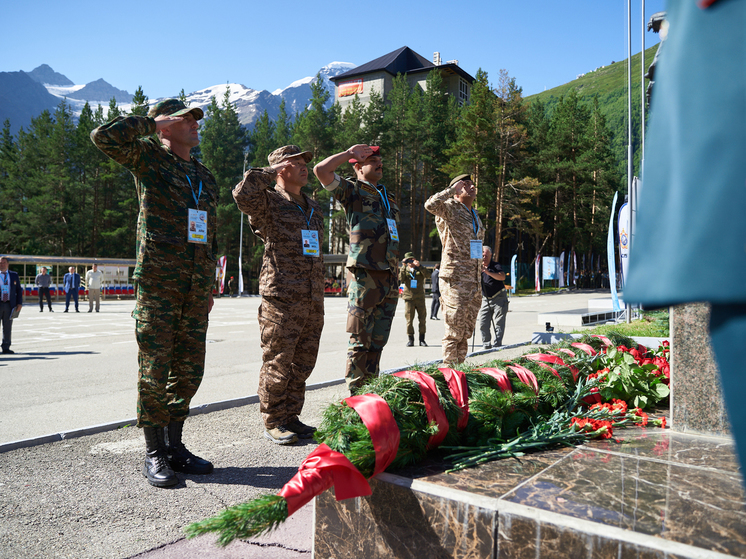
367 188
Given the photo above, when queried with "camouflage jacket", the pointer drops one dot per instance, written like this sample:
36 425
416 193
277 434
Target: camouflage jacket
406 276
278 221
371 245
455 225
165 197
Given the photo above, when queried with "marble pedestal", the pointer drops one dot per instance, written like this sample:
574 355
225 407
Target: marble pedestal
660 494
696 395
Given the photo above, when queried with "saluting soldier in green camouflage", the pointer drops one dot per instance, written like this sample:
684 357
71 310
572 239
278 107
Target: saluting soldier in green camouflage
175 269
373 289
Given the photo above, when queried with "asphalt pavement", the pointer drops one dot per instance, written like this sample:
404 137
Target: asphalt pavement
84 495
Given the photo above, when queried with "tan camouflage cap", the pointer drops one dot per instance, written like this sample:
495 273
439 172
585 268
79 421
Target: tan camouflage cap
174 107
286 152
460 178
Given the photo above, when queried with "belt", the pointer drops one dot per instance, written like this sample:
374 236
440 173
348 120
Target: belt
496 294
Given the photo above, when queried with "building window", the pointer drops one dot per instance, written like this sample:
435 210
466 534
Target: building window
463 92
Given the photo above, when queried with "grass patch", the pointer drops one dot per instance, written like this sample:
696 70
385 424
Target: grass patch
653 324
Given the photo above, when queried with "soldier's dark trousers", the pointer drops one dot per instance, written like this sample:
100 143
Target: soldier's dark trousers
171 327
410 307
371 303
290 333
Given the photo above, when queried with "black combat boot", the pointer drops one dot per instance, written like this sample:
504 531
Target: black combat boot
410 343
180 459
156 467
423 343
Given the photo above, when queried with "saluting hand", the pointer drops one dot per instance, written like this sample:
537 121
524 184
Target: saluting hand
278 167
361 152
164 121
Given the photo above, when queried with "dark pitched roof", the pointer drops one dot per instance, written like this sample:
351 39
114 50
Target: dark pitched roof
401 61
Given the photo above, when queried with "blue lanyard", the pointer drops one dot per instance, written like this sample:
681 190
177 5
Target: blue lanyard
411 274
474 218
197 197
5 278
308 219
385 200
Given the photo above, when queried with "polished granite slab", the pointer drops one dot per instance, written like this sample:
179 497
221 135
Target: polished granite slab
697 404
657 493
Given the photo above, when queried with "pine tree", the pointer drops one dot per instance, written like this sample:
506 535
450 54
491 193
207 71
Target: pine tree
262 141
139 103
283 127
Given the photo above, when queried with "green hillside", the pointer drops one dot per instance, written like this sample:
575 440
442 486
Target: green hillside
609 84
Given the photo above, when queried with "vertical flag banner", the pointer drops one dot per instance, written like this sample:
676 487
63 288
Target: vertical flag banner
513 277
610 256
574 269
623 225
222 265
537 277
240 258
562 269
549 263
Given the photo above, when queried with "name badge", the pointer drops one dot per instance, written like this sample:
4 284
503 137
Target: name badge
197 226
5 288
476 249
310 242
393 231
413 284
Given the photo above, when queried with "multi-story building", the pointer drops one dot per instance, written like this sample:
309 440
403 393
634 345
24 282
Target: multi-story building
379 75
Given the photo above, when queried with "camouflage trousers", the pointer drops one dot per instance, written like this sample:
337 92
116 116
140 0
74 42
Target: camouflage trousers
290 333
171 327
410 307
372 296
461 301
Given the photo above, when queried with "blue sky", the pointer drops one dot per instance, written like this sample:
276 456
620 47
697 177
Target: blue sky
167 46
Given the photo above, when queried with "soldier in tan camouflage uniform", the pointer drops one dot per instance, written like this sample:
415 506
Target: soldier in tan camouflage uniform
412 277
373 289
291 283
461 234
174 272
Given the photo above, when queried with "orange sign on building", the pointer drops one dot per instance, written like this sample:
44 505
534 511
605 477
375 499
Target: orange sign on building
350 87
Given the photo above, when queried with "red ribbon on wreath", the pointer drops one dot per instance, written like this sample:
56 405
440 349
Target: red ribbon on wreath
320 470
384 432
585 347
460 391
526 376
434 410
500 376
606 341
556 359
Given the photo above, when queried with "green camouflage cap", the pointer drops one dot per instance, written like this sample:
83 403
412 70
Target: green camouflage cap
174 107
408 255
460 178
286 152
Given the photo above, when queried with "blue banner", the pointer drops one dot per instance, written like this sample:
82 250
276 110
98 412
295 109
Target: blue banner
513 278
611 258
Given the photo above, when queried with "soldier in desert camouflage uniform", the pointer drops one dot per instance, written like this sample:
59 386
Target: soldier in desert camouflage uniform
291 283
174 272
412 277
372 220
461 234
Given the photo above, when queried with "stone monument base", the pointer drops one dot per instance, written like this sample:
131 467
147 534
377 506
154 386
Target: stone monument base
659 494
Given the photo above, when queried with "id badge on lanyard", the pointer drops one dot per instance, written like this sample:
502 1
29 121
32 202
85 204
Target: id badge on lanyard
5 284
310 242
476 249
197 226
196 219
393 231
309 237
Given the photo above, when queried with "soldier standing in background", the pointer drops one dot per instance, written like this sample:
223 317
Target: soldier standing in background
372 264
461 234
174 274
291 284
412 275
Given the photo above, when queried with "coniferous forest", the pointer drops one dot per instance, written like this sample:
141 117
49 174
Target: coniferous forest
546 174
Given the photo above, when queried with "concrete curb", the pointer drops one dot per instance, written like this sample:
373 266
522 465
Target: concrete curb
204 408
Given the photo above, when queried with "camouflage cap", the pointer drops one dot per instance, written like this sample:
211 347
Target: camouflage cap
174 107
460 178
286 152
408 255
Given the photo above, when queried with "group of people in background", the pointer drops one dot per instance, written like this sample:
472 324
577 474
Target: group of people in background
176 263
94 281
